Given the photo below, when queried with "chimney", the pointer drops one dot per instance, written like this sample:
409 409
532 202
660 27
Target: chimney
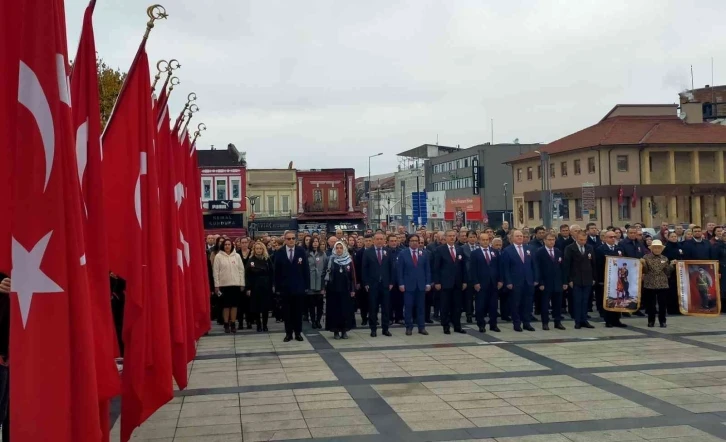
692 113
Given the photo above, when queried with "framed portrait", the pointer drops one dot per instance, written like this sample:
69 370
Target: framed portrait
698 288
622 284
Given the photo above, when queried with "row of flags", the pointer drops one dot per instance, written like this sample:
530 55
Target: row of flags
82 204
633 198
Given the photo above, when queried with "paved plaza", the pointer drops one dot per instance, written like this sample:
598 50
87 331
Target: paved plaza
599 385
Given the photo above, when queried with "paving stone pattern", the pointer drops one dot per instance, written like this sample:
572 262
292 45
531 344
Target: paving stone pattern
599 385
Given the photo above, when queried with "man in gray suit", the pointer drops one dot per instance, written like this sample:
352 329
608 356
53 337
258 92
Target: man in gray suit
469 294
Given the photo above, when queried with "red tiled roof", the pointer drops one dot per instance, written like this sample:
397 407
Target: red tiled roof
632 130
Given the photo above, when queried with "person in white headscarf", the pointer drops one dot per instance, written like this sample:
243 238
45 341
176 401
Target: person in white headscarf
339 288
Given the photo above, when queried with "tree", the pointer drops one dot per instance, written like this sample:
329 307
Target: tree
110 82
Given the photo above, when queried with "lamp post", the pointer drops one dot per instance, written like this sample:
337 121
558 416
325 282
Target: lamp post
368 194
546 197
252 200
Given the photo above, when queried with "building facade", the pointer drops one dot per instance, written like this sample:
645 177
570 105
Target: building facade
474 182
274 193
326 197
643 164
223 176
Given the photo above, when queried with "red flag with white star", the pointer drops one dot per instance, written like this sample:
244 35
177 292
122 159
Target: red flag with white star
131 197
54 391
87 128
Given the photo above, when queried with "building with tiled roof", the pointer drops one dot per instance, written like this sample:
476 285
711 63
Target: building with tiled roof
646 165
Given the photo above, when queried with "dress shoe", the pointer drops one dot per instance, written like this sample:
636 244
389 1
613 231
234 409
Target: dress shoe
663 325
336 335
423 332
233 328
463 332
528 327
559 326
226 328
468 320
344 335
373 334
259 328
265 329
447 331
494 329
409 332
545 327
299 338
588 325
288 338
428 321
651 324
517 328
386 333
578 326
482 330
620 325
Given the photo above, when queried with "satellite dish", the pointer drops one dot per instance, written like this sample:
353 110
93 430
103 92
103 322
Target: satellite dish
682 115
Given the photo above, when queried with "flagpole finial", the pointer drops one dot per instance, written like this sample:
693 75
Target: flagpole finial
191 97
161 66
174 64
200 128
155 12
173 81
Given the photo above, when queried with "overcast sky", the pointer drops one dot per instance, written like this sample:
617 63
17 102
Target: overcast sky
325 83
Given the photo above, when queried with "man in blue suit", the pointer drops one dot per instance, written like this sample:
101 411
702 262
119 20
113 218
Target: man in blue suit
292 281
449 273
486 281
548 261
377 282
520 277
414 280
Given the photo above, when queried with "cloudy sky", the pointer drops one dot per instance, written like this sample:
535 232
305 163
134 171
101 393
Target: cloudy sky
325 83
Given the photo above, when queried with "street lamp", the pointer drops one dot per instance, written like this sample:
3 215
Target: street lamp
369 185
546 197
252 200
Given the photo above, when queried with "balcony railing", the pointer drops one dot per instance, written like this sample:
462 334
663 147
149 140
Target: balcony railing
332 206
274 214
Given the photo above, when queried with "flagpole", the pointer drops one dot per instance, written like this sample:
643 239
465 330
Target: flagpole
154 12
191 98
200 127
193 109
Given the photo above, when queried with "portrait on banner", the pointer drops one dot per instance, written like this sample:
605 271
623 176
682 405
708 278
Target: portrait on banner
622 284
698 288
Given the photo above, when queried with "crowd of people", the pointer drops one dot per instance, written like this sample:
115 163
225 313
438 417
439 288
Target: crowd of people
478 276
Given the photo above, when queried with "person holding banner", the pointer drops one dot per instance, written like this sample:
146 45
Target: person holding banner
609 248
656 270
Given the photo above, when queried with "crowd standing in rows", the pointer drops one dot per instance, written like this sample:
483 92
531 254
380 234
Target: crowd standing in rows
417 278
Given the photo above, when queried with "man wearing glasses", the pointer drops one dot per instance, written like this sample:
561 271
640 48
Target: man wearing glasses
292 281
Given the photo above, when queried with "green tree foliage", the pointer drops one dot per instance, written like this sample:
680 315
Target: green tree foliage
110 82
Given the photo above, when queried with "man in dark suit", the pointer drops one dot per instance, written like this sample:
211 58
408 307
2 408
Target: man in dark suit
593 235
377 281
361 295
292 281
548 260
433 296
698 248
633 248
520 277
579 274
564 239
469 294
449 273
608 248
414 280
498 246
538 241
485 279
396 295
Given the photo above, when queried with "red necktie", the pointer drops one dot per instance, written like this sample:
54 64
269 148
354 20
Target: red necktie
379 257
521 253
552 254
486 254
453 255
415 258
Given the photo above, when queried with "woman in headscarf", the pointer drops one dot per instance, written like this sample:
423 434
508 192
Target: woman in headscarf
259 285
339 288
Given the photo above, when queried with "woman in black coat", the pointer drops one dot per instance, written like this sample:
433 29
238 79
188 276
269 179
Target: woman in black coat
340 291
259 285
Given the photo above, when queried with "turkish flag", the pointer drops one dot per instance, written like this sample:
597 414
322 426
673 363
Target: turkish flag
54 390
87 128
634 198
199 256
132 197
620 196
169 200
